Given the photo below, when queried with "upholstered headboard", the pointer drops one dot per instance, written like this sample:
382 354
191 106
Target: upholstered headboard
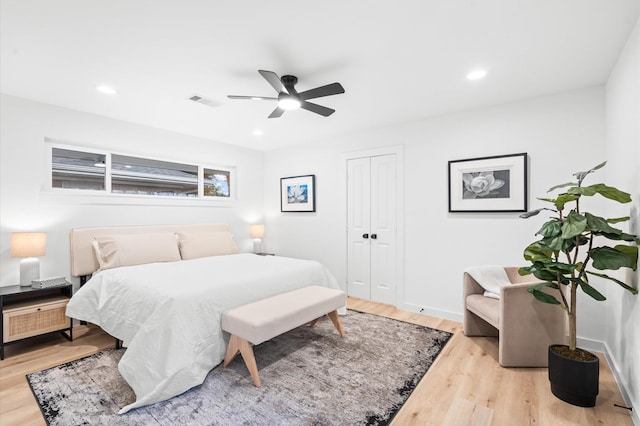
83 259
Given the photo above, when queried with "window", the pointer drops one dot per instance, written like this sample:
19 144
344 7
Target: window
216 183
140 176
77 169
127 175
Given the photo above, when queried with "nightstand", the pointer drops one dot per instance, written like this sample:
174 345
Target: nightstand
28 312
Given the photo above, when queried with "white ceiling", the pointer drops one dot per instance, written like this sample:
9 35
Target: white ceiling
398 61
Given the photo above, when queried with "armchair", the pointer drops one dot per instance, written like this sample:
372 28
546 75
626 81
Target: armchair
525 327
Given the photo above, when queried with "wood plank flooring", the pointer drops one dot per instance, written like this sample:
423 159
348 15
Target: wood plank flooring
465 385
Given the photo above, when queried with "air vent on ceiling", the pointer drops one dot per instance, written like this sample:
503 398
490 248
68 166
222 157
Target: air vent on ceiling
205 101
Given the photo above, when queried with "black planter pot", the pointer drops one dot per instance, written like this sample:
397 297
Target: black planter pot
574 381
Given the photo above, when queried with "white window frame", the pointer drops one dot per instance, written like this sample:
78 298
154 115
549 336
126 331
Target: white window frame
106 196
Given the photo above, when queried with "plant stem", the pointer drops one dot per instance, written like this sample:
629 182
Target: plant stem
572 318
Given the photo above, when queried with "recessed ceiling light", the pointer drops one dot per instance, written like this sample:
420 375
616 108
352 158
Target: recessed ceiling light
257 132
108 90
476 74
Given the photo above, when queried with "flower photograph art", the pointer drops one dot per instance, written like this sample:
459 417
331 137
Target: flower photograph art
488 184
297 194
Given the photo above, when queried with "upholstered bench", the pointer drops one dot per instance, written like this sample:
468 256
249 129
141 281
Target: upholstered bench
265 319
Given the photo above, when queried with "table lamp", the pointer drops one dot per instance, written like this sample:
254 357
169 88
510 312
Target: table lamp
28 245
257 233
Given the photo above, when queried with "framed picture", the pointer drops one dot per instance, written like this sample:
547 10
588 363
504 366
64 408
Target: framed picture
488 184
298 194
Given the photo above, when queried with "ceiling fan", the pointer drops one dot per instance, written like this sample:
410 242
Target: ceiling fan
288 98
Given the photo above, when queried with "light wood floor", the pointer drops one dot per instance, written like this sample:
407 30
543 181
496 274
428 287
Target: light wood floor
465 385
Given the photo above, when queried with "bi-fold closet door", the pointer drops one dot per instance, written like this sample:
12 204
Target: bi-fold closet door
371 228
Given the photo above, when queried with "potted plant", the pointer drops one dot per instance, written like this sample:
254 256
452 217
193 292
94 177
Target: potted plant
576 245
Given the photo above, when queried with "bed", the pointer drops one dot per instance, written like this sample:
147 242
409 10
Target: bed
162 291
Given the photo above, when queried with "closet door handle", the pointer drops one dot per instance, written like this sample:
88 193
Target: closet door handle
374 236
365 236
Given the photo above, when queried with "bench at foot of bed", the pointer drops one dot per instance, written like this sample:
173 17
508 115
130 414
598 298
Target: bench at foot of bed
265 319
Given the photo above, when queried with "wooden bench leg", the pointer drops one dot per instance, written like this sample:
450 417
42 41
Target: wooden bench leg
334 319
237 344
333 316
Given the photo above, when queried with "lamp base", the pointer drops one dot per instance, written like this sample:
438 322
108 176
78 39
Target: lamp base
257 245
29 270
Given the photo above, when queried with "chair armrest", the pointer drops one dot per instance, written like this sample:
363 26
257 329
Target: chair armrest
470 286
518 308
514 298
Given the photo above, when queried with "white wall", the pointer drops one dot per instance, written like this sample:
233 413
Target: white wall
24 206
623 152
562 134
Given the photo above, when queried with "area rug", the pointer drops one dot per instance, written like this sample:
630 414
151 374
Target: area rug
310 376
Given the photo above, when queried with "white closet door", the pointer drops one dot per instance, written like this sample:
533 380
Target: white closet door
383 229
358 225
371 223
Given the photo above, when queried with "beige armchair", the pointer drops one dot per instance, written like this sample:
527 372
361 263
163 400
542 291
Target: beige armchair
525 327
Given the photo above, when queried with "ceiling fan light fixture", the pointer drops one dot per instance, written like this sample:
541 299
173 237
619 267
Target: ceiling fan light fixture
288 102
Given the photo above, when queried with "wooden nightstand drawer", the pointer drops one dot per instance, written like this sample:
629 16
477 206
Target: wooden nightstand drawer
31 319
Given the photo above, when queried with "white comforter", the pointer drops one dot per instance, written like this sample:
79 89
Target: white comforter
168 314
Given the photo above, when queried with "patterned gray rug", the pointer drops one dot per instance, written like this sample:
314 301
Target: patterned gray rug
310 376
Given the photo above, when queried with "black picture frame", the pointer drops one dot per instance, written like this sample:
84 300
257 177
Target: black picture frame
489 184
298 194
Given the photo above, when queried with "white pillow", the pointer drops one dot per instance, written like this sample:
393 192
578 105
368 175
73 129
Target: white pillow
208 243
135 249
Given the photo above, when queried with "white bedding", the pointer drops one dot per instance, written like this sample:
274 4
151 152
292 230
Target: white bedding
168 314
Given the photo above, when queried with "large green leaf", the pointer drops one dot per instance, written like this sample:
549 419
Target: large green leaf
632 252
591 291
606 191
620 237
551 228
582 190
563 268
537 253
575 224
605 258
564 199
622 284
538 271
555 244
562 185
618 219
597 223
553 276
537 292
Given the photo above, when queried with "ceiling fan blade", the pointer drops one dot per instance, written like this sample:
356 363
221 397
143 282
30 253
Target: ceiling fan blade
253 98
273 79
318 92
318 109
276 113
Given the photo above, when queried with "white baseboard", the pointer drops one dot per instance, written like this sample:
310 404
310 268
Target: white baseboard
453 316
590 345
617 376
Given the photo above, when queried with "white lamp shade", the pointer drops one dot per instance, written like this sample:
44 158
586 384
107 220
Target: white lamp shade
257 231
28 244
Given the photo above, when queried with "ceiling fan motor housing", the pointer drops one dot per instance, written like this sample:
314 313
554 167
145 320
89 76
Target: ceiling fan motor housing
289 81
